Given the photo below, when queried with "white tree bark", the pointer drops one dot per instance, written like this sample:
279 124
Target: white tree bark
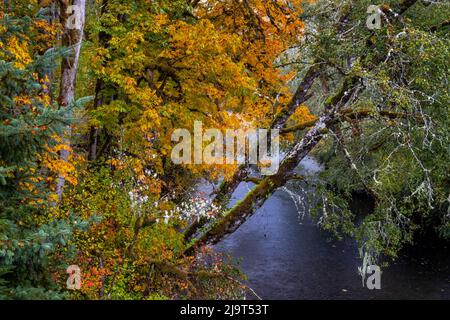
72 18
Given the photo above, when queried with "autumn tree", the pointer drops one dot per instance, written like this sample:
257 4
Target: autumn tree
72 19
376 117
33 242
156 67
370 104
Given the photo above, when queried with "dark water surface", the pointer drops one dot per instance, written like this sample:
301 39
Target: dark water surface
287 257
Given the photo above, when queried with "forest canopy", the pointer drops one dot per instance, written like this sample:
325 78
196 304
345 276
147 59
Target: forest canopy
92 91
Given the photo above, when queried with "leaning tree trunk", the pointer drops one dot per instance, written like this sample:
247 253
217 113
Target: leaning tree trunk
302 94
72 17
240 213
227 188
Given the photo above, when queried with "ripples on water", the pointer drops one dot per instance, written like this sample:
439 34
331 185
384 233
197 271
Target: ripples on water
288 258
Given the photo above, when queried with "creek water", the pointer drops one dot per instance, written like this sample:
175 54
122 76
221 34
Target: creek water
286 256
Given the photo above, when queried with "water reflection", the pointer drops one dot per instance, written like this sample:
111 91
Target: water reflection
285 258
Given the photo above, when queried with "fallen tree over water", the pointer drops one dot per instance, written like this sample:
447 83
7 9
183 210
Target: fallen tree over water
376 77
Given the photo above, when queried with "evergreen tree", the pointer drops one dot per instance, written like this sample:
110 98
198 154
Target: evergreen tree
32 243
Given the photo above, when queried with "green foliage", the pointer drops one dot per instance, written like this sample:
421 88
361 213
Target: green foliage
400 160
32 241
149 67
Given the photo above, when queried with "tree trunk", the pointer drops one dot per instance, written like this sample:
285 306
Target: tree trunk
72 38
99 99
241 212
227 188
